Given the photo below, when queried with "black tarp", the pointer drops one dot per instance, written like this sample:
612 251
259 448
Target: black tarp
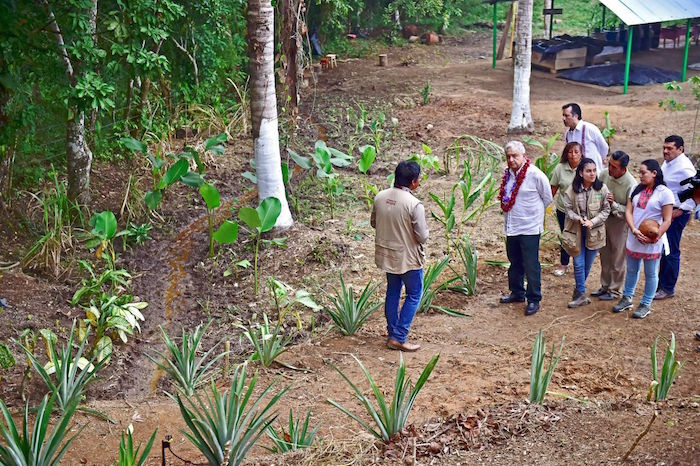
614 75
550 47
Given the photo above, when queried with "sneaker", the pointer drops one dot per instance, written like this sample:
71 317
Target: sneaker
579 301
623 304
599 292
561 270
662 294
642 311
576 294
608 296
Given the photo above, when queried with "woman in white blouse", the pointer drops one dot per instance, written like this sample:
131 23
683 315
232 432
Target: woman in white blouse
651 199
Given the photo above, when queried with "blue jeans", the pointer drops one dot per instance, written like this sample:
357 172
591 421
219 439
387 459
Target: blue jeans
583 262
651 278
398 324
564 256
524 255
671 264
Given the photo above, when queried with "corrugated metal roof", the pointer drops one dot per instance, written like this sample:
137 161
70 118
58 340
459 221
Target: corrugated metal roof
633 12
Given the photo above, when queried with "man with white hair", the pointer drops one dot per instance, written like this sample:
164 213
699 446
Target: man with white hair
524 195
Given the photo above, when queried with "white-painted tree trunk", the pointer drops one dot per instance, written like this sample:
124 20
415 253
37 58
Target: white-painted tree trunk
521 118
263 107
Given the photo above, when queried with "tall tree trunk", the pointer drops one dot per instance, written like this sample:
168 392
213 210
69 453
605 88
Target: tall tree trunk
263 106
79 159
7 144
521 119
78 155
93 32
290 33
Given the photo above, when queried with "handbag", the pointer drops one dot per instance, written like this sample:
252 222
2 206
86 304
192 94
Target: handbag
571 240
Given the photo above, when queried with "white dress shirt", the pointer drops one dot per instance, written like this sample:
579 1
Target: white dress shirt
527 215
676 171
594 147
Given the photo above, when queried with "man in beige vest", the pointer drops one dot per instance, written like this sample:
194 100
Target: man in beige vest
399 220
620 183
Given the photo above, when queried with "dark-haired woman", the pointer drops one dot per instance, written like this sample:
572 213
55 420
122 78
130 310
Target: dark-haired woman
651 199
587 208
562 177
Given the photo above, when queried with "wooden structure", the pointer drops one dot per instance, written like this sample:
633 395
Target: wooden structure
562 60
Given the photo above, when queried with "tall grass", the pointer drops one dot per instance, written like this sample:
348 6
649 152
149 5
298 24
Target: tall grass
389 417
539 377
56 229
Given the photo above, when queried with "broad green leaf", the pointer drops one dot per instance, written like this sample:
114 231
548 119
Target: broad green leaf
211 143
268 211
176 171
244 263
303 162
250 217
157 162
134 144
104 224
339 159
153 199
210 195
227 232
250 177
103 349
192 179
367 159
285 173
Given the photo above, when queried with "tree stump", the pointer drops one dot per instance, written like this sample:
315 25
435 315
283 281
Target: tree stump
383 60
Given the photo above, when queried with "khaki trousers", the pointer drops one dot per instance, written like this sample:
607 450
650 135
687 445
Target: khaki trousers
612 255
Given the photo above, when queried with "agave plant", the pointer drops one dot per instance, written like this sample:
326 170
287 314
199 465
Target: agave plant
41 448
73 373
389 418
182 364
351 313
539 377
226 425
662 382
128 456
269 342
294 439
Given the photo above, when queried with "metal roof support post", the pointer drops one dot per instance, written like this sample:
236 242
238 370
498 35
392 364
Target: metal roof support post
551 21
685 52
495 32
629 57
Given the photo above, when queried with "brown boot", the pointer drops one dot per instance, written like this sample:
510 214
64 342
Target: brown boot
405 346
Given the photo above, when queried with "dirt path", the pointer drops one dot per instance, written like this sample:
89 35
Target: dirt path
601 381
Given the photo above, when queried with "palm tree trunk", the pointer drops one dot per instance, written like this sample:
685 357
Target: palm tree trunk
521 118
263 107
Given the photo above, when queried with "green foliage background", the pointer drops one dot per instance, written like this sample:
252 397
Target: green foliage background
134 79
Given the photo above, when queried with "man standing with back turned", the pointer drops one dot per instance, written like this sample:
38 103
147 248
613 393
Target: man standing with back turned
401 232
676 168
524 195
593 144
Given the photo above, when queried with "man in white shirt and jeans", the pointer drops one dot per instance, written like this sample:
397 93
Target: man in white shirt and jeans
593 144
524 195
676 168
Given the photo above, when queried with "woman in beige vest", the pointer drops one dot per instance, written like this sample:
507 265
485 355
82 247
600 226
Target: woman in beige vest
587 209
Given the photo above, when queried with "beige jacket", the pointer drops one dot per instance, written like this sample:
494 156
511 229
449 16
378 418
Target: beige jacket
591 205
401 231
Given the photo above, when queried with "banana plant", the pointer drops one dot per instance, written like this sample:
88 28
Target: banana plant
260 220
549 160
228 231
368 154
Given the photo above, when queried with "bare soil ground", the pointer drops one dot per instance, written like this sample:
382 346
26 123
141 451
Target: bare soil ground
473 408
